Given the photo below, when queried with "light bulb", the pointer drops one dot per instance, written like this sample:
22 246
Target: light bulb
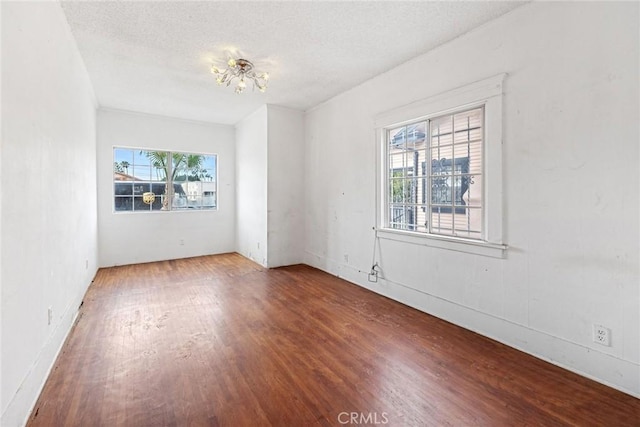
265 76
215 69
232 63
219 80
262 89
242 84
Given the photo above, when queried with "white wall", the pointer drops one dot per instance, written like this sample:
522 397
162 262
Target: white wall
570 170
251 187
270 188
285 193
1 138
48 217
129 238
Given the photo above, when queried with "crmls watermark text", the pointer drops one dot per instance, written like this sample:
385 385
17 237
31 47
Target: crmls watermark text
363 418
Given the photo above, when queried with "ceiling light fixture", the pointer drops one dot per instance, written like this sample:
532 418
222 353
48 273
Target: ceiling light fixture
242 70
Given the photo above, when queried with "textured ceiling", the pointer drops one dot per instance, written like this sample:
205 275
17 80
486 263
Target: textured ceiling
155 57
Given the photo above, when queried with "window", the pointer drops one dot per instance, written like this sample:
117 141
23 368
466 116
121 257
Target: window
440 169
145 181
434 170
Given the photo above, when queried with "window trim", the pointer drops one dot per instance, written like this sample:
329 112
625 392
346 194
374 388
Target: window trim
487 93
160 211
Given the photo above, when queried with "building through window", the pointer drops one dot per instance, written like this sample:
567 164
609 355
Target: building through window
145 180
434 175
439 175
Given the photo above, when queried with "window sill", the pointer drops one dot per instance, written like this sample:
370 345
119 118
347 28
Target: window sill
160 212
475 247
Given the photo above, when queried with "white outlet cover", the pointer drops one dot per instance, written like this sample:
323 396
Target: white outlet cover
602 335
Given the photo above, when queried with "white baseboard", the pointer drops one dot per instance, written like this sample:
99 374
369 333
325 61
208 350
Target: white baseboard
604 368
23 401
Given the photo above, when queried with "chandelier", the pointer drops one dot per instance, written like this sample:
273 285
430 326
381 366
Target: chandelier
242 71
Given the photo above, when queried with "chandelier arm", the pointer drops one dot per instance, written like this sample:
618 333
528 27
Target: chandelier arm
242 70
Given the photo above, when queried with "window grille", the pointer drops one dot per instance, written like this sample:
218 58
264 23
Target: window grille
435 175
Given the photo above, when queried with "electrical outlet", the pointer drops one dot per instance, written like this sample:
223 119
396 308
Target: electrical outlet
181 242
49 315
373 275
601 335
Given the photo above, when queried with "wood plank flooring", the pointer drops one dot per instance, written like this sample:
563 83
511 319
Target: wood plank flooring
218 340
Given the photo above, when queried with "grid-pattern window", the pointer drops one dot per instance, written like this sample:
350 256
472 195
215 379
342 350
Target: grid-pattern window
434 175
145 180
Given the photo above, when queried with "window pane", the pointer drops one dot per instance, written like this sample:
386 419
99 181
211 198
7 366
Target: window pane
139 188
151 165
209 164
397 165
461 187
180 166
443 154
153 200
404 190
408 217
143 157
413 161
122 164
441 131
434 184
139 205
123 189
397 138
415 136
123 203
396 191
420 163
441 190
421 222
441 220
147 201
468 135
470 187
195 202
442 165
195 185
396 215
121 155
140 176
468 120
468 224
472 155
141 173
209 199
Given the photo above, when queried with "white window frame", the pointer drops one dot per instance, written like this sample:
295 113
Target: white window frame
487 93
171 209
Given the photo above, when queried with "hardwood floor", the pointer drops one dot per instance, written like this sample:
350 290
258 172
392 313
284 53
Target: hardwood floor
218 340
